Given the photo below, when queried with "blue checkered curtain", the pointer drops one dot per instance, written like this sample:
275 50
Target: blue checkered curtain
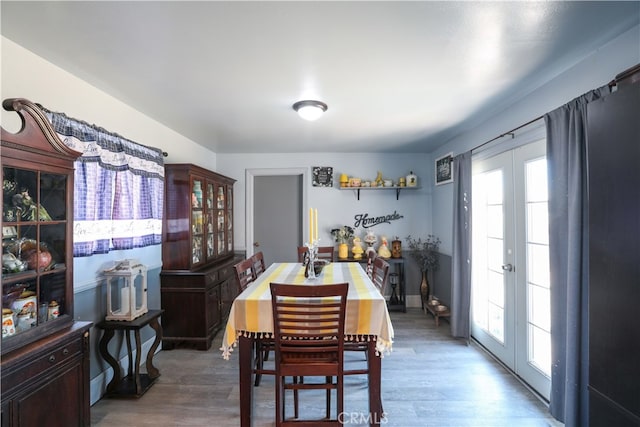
119 189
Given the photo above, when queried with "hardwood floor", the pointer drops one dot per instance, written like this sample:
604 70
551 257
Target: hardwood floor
429 379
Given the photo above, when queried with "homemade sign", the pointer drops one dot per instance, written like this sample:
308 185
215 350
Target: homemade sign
363 220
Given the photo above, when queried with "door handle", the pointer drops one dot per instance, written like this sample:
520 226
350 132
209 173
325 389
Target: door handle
256 244
508 267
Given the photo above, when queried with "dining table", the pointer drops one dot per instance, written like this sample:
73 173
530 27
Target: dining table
366 320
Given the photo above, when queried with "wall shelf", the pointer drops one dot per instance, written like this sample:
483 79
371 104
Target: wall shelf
397 189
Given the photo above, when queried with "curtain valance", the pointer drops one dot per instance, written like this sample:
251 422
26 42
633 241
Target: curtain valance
118 189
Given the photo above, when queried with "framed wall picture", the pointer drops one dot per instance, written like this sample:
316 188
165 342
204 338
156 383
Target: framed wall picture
444 169
322 176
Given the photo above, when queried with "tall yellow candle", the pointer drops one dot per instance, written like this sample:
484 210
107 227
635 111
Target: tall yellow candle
310 225
315 227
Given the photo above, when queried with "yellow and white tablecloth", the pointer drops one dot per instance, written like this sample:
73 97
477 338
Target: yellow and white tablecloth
366 318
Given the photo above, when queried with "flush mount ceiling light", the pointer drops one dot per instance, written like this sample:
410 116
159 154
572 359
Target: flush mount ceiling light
309 109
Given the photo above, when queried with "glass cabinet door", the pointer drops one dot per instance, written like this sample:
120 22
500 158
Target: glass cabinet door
197 221
209 224
34 230
229 219
221 226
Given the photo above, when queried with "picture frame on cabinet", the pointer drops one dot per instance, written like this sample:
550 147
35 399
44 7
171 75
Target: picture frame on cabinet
322 176
444 169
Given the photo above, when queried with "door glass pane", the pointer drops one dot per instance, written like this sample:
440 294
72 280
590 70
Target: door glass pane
540 350
537 244
488 249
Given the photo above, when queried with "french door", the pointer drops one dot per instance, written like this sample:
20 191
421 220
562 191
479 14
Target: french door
510 250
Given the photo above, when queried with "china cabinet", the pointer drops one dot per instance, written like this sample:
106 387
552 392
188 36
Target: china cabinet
197 285
44 351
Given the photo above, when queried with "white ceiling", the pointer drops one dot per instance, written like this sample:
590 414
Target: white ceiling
397 76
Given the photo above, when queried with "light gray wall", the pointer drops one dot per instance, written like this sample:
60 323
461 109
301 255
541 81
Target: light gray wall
594 71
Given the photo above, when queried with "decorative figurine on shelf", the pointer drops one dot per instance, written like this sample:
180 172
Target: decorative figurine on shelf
396 248
27 209
379 181
412 180
370 239
357 248
383 250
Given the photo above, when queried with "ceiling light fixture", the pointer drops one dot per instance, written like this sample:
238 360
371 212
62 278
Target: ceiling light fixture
309 109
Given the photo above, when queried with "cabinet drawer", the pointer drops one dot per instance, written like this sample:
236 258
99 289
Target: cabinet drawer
48 361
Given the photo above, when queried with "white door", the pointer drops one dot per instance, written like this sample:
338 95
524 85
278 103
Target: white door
510 274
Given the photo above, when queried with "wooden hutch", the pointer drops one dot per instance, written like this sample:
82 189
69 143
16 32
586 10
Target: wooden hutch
197 282
45 353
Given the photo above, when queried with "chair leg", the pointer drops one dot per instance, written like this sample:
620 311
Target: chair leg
279 401
340 396
328 380
295 399
258 363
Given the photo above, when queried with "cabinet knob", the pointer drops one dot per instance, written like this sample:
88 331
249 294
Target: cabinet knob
52 358
256 244
65 351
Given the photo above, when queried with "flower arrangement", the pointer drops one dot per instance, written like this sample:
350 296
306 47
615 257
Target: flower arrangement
425 252
342 234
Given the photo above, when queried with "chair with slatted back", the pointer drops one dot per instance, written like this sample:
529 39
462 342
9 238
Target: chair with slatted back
244 274
324 253
258 263
380 274
379 277
308 323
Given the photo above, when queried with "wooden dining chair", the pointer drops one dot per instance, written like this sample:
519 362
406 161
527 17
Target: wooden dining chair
245 275
308 323
380 274
324 253
258 263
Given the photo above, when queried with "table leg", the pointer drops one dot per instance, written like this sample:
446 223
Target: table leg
152 370
127 335
104 351
137 366
245 361
403 288
375 378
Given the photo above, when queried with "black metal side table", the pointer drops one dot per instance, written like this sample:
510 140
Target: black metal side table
134 384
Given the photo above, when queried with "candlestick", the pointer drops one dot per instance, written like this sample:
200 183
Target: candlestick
315 221
310 225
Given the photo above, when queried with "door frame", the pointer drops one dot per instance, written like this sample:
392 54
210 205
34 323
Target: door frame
250 175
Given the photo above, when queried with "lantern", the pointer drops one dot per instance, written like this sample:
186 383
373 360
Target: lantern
126 290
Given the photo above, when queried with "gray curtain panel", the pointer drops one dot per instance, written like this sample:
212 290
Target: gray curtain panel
461 261
568 253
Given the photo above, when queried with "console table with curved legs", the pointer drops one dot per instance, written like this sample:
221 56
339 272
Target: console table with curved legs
134 384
